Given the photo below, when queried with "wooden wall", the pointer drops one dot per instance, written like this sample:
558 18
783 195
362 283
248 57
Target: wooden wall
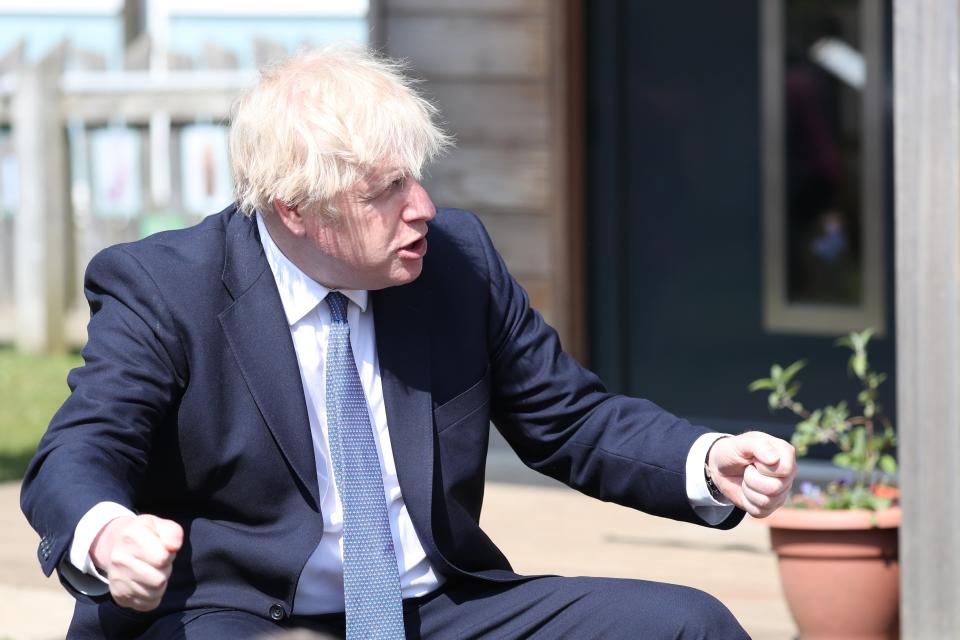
497 70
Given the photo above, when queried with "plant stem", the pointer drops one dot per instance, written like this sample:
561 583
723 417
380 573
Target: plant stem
796 407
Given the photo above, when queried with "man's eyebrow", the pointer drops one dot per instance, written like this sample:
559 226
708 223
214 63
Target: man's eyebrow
376 184
381 182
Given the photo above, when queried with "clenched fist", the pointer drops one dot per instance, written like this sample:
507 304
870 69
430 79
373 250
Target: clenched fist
136 553
754 470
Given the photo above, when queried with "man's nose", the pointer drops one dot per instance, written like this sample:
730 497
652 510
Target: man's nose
419 206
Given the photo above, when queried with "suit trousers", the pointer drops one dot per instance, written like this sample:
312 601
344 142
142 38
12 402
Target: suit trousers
547 607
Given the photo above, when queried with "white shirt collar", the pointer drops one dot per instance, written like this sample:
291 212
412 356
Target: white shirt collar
299 294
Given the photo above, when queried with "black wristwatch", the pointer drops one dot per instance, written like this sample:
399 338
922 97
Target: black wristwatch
711 485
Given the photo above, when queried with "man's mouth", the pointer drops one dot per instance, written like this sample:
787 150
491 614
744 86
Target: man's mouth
414 250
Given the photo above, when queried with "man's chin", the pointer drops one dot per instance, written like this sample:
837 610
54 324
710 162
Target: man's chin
404 275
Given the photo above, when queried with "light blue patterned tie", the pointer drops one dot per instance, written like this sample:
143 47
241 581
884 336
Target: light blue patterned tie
371 580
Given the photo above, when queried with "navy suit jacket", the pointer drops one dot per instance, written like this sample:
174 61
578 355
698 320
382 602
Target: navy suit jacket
190 406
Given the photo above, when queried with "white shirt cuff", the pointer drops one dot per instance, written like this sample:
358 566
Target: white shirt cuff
92 522
709 509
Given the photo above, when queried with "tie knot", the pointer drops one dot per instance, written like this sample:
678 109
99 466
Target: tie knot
338 306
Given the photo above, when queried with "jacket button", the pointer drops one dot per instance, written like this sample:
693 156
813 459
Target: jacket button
277 612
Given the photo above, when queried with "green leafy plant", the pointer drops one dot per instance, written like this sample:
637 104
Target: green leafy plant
864 441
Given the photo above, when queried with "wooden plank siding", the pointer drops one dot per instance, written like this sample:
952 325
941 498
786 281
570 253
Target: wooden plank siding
470 46
492 69
462 7
491 177
506 114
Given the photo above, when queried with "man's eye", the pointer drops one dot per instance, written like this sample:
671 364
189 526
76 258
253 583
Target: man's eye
394 186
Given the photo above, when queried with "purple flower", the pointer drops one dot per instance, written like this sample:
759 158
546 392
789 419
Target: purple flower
809 489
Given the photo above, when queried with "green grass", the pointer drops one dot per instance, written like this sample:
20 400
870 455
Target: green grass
31 390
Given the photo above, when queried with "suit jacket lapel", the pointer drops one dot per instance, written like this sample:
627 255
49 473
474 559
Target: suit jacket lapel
258 333
401 316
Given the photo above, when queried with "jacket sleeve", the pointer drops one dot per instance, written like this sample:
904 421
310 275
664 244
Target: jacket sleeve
562 422
97 446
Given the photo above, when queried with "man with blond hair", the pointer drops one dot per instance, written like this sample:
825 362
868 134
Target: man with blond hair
283 415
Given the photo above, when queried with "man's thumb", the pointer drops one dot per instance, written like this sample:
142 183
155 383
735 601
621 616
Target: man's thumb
767 460
170 533
759 451
767 456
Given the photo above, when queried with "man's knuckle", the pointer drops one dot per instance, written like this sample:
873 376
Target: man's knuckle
156 583
118 559
129 534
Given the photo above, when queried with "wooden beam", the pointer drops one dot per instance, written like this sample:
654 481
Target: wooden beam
927 165
42 239
136 95
567 122
133 96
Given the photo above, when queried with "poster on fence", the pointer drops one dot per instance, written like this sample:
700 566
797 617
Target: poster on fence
205 169
116 171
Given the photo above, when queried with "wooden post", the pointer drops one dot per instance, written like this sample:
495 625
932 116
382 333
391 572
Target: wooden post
41 226
927 165
134 18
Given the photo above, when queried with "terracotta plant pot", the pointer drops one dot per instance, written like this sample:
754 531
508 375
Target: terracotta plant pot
840 571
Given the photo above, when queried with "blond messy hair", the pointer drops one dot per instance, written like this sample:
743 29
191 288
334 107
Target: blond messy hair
318 122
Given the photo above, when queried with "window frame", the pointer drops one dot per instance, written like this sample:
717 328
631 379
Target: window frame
780 316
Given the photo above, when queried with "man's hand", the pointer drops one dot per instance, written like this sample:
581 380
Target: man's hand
754 470
136 553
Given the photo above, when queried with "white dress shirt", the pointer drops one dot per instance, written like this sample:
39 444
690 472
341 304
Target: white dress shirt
320 589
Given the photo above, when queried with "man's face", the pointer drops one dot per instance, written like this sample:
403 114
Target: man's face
377 238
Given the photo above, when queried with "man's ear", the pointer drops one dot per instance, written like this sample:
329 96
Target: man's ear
290 216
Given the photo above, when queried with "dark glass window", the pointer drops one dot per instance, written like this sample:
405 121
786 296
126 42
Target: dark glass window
824 80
